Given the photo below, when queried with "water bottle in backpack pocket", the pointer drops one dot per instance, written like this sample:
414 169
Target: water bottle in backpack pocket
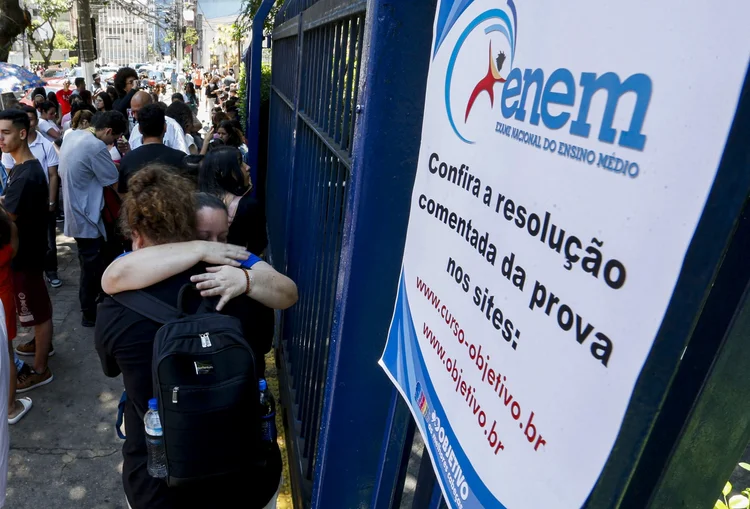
157 461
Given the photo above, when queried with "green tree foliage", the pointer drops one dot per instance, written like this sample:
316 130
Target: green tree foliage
49 11
63 40
191 36
247 13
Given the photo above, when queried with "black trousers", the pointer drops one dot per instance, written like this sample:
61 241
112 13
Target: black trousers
50 260
90 258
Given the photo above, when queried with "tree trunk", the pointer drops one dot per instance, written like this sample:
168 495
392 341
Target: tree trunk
50 45
87 55
13 21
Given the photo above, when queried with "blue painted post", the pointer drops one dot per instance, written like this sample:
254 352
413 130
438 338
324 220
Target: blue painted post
358 394
253 72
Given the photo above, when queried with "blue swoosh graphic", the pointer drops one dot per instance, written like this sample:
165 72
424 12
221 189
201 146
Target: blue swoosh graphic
403 345
491 14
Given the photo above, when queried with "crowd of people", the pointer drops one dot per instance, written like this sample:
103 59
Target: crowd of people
153 204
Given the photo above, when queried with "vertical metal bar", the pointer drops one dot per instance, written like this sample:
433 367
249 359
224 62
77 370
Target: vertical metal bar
399 434
316 251
315 328
342 81
320 65
332 240
425 482
333 30
253 71
437 501
352 62
304 213
360 43
291 137
378 198
297 242
335 81
305 81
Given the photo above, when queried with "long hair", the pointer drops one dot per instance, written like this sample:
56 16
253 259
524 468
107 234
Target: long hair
107 99
235 136
80 116
221 171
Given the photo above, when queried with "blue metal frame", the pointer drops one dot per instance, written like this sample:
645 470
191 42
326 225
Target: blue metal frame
338 212
253 71
358 395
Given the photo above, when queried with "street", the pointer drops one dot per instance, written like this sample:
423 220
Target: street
65 452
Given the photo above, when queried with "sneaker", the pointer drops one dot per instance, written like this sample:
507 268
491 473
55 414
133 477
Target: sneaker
30 348
88 322
30 379
53 280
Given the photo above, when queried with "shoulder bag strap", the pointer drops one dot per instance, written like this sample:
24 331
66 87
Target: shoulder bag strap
147 305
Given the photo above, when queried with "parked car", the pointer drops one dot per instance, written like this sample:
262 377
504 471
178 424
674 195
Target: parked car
75 72
52 73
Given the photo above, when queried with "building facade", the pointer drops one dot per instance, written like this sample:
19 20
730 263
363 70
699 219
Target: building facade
123 38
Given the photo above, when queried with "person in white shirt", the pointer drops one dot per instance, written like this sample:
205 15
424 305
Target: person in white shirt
174 137
44 151
47 125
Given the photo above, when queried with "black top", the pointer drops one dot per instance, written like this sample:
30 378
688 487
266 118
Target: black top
249 226
125 342
143 155
27 196
211 90
123 103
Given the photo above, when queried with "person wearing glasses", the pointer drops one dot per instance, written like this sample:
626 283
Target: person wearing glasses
126 85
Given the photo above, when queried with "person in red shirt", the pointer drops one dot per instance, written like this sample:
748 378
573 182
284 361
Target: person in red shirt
17 408
63 97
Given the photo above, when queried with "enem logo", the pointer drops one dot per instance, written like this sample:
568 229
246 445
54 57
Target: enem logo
527 95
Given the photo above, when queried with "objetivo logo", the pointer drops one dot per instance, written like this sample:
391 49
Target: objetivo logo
527 95
421 400
501 27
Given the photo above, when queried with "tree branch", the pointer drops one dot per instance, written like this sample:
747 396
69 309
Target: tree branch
140 13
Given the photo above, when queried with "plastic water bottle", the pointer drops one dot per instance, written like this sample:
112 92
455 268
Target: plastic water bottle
157 457
268 413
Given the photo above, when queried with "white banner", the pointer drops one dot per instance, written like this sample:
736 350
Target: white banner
567 153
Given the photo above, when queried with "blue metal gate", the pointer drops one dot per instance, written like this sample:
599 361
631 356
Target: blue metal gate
348 84
340 171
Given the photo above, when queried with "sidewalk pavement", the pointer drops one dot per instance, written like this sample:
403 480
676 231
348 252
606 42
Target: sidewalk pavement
65 453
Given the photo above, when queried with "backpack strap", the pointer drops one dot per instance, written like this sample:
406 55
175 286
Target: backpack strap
149 306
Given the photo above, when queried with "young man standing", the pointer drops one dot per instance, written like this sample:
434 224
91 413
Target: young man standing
86 168
152 126
80 84
45 153
63 97
26 200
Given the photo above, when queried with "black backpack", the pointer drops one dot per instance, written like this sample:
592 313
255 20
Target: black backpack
204 376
